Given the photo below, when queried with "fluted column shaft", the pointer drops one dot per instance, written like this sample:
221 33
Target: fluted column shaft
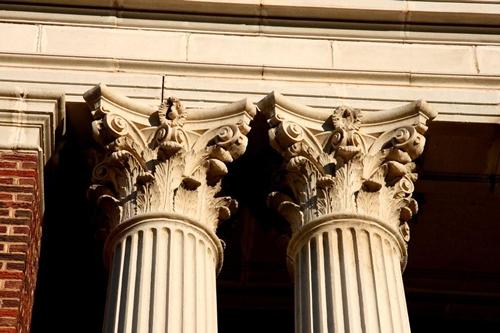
162 276
348 277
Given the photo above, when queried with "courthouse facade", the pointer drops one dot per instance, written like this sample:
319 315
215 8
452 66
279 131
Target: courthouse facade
249 165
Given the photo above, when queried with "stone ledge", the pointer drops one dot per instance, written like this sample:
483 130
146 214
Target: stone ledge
459 98
461 13
107 66
251 26
119 46
29 118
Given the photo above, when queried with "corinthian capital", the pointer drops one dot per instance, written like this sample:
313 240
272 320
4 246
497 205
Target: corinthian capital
169 160
346 161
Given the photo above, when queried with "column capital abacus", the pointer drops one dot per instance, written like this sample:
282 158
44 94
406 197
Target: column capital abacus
346 161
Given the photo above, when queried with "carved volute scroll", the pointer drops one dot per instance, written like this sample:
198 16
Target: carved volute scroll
169 160
346 162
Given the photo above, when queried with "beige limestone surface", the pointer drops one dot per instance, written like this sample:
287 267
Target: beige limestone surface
348 179
213 55
156 182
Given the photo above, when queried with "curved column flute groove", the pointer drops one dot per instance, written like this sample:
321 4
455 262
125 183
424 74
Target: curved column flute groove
156 184
346 191
348 273
163 278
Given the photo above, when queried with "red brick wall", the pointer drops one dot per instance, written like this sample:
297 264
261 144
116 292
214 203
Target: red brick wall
20 231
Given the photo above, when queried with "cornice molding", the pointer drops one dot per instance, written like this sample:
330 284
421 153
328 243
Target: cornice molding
252 26
401 12
390 78
29 119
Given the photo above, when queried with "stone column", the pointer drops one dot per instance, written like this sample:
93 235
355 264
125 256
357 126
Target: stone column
348 276
346 192
156 181
162 275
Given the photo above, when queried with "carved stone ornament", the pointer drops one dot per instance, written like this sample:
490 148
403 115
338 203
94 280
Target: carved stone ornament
346 162
169 160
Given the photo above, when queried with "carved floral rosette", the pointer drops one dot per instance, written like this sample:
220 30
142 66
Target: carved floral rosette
344 170
163 167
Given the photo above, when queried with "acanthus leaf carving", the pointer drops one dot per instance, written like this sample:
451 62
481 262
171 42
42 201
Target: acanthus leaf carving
344 169
164 167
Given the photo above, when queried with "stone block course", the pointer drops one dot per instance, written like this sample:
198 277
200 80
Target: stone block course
488 58
449 59
113 43
401 57
18 38
259 50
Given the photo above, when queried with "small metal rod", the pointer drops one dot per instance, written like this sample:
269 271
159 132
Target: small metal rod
162 87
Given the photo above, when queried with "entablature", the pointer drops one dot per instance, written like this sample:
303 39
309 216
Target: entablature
402 12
